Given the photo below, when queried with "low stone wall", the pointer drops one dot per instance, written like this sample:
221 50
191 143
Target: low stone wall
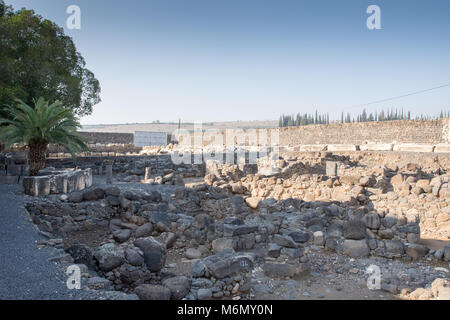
397 147
410 131
429 132
106 137
57 182
133 168
13 168
96 150
217 228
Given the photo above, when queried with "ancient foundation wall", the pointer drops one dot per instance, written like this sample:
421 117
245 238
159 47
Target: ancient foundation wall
412 131
429 132
107 138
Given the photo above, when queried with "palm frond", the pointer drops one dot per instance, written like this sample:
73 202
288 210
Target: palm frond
48 124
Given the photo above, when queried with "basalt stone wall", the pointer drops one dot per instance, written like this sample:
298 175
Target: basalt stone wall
107 138
99 142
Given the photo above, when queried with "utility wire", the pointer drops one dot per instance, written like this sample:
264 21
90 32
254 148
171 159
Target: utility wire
398 97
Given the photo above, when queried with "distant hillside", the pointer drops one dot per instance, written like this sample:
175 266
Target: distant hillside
170 127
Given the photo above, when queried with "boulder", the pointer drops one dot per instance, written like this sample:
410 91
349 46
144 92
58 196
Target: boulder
202 221
238 205
231 230
82 254
198 269
237 188
75 197
144 231
152 292
112 191
367 181
167 239
204 294
300 236
356 248
92 195
416 251
284 241
331 244
253 202
227 263
160 217
113 201
109 257
131 195
193 253
155 196
274 250
122 235
154 253
372 221
124 202
134 256
355 230
386 234
389 221
394 248
179 287
220 244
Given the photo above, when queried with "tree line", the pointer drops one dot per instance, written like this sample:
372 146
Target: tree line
389 115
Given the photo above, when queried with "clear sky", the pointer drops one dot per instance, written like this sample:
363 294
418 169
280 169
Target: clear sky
219 60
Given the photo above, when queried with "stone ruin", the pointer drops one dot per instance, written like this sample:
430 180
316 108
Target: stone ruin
169 238
50 181
13 167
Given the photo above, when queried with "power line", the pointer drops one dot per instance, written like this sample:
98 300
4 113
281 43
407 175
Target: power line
398 97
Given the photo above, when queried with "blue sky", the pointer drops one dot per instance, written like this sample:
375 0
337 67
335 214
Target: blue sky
219 60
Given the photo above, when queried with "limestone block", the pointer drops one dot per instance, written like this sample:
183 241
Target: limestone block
80 181
414 147
58 184
71 182
87 177
36 186
331 168
442 148
342 147
313 148
377 147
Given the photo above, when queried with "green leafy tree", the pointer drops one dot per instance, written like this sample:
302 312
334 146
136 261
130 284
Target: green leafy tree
38 126
2 8
38 60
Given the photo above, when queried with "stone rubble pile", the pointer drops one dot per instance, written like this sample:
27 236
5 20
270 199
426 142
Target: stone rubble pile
239 220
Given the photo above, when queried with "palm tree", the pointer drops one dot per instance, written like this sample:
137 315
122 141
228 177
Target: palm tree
40 126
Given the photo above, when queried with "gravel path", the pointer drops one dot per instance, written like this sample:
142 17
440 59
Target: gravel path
25 272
